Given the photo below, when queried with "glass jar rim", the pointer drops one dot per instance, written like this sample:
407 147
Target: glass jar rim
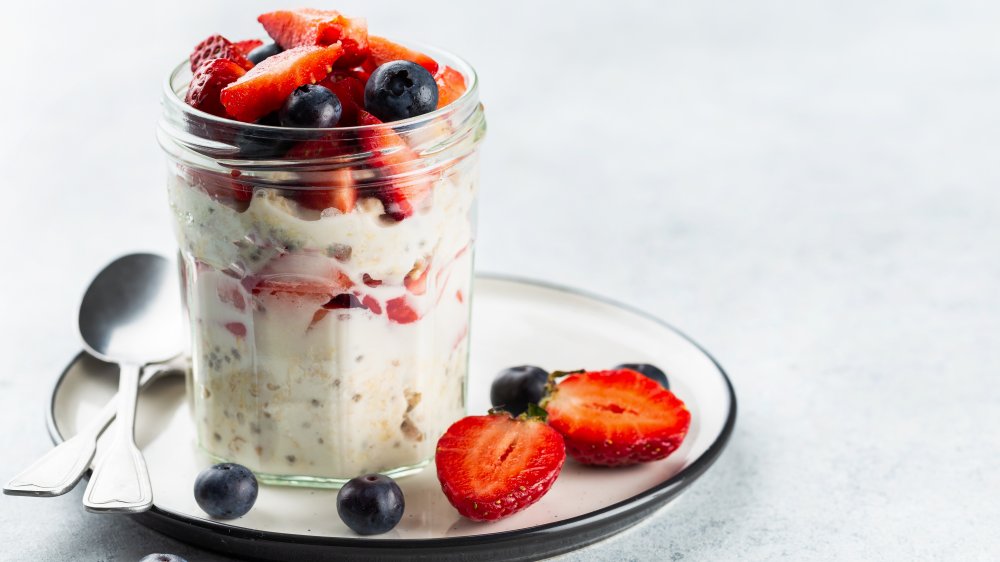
172 96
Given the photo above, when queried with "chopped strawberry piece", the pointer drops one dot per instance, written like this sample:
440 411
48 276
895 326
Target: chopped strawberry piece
399 310
342 195
368 280
237 329
223 189
309 27
494 466
247 45
218 47
371 304
416 280
351 93
325 289
451 85
616 418
208 82
391 153
381 51
458 295
266 86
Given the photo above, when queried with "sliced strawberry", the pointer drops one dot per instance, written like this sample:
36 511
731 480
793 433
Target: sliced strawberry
238 329
218 47
391 153
351 93
451 85
247 45
381 51
266 86
399 311
342 195
616 418
416 280
225 189
208 82
309 27
494 466
371 304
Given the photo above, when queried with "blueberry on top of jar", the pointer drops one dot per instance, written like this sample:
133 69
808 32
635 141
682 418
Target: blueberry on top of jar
399 90
264 51
310 106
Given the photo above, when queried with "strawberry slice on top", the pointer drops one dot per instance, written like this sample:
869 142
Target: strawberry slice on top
494 466
616 418
381 51
451 85
218 47
266 86
247 45
393 156
206 86
310 27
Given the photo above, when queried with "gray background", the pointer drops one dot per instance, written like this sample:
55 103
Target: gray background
808 188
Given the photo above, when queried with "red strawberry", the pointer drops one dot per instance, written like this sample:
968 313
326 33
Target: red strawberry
351 93
616 418
399 311
494 466
451 85
342 195
381 51
247 45
309 27
208 82
224 189
266 86
218 47
391 153
416 280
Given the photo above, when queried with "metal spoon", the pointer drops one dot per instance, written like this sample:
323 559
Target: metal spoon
58 470
130 315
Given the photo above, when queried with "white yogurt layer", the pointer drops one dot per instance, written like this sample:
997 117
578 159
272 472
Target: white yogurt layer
288 383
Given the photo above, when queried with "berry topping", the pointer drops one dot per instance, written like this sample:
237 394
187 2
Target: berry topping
261 52
381 51
451 85
371 504
516 387
494 466
266 86
162 558
208 82
310 106
647 370
247 46
226 491
391 154
309 27
616 418
399 90
218 47
351 93
341 195
399 311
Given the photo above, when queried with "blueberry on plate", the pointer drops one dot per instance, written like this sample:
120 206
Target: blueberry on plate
400 89
226 491
162 558
262 52
370 504
310 106
516 387
649 371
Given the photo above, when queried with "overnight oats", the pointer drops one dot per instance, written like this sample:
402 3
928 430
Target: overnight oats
323 186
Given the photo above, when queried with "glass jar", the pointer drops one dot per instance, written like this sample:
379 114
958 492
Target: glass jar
328 277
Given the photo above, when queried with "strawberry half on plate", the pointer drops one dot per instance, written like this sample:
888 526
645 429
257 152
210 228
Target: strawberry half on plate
494 466
616 418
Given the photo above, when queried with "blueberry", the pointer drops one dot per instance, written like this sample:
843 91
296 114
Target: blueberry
514 388
370 504
649 371
226 491
310 106
162 558
264 51
400 89
258 144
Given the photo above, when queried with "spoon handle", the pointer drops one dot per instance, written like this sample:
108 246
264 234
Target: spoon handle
58 471
120 483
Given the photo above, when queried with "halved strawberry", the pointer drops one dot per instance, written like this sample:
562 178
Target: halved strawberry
494 466
266 86
309 27
209 80
616 418
218 47
247 45
381 51
451 85
391 153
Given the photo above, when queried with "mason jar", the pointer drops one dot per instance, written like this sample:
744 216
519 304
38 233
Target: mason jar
328 281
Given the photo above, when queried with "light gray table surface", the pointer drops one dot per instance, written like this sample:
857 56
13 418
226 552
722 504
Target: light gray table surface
811 189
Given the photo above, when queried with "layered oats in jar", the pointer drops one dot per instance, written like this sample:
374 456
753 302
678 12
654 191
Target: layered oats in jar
327 268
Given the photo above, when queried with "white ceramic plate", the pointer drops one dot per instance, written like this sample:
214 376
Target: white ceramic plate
515 322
